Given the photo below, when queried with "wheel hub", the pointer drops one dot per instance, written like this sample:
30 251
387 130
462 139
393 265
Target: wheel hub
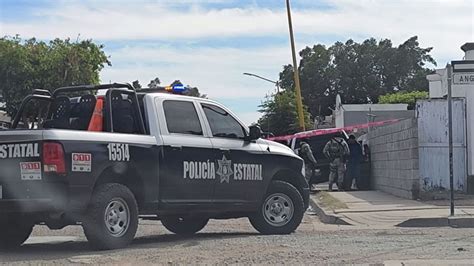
278 209
113 218
117 217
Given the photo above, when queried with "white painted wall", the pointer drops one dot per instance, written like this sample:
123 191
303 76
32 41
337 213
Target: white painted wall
439 88
432 115
375 107
470 131
339 112
342 108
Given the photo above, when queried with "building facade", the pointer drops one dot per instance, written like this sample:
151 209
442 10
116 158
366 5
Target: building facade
438 83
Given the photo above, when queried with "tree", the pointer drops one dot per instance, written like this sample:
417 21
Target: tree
280 116
31 64
136 85
360 72
408 97
154 83
194 91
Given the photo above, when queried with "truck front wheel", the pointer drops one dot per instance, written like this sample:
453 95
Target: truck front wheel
14 232
111 221
281 211
184 226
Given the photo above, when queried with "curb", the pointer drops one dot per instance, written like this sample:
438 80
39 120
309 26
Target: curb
454 222
425 222
325 215
461 222
329 217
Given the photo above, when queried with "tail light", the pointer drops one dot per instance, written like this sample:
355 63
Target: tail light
53 158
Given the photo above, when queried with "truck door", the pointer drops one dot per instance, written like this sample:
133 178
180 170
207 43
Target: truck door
186 175
239 175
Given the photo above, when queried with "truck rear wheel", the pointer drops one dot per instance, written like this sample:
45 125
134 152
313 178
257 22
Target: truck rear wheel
281 211
184 226
111 221
14 232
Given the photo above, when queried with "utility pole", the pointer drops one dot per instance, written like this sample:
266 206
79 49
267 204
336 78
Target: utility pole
450 138
299 102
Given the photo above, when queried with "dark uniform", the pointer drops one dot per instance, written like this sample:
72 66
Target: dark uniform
355 159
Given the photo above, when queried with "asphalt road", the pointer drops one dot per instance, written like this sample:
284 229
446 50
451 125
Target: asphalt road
235 241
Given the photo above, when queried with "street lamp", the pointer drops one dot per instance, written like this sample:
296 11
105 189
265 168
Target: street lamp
269 80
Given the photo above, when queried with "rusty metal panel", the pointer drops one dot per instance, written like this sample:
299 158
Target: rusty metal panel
433 144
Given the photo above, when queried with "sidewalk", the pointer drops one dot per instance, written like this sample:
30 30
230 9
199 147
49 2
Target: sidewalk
375 208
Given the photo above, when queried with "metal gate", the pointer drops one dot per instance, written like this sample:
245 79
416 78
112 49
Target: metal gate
433 144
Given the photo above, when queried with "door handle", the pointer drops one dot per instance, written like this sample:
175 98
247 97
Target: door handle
176 147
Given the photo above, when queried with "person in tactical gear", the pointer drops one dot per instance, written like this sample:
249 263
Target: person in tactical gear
310 162
336 150
353 165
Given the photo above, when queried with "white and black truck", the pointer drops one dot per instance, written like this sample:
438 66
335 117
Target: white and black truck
103 162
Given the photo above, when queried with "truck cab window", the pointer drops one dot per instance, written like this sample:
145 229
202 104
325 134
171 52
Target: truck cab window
222 123
181 117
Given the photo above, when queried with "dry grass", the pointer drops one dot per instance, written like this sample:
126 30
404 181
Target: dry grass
328 201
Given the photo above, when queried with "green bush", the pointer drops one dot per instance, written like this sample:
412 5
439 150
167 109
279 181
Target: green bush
404 97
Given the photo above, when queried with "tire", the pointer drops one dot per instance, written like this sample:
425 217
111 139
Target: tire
281 211
184 226
14 232
111 221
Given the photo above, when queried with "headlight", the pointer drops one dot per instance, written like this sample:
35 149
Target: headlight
303 171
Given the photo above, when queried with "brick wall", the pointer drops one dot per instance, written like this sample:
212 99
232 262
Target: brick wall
394 159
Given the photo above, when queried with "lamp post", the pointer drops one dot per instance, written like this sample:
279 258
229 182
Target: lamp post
299 102
450 138
262 78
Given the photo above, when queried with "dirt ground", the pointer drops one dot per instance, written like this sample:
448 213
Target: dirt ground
236 242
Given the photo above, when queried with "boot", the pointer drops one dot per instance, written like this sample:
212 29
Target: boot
330 186
353 187
340 186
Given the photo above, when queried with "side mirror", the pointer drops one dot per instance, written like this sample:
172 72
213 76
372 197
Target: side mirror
255 133
266 135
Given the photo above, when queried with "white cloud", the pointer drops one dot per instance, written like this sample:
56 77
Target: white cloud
218 72
444 25
156 20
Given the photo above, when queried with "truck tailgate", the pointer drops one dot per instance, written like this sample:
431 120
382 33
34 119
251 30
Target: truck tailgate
21 172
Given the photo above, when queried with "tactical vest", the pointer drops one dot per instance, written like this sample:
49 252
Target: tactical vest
335 149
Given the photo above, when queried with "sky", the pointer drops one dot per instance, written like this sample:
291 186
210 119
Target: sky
211 43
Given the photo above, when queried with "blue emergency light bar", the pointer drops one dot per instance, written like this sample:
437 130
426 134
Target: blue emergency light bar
175 89
178 88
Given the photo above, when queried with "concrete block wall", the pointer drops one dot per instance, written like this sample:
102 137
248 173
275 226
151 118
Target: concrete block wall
394 159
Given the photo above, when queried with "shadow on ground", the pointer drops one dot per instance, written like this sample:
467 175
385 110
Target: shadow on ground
68 249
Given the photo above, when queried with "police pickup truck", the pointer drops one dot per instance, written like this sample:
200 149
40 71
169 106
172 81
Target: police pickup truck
103 162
